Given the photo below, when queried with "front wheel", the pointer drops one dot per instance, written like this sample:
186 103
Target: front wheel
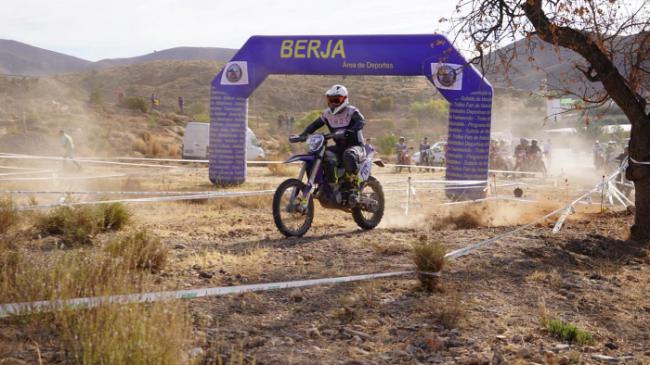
291 213
368 213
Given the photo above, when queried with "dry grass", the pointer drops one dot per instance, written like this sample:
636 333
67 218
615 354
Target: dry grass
153 146
8 215
249 263
139 250
429 257
448 312
281 169
126 334
154 333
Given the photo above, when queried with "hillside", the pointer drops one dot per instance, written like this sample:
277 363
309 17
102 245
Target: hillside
32 109
172 54
22 59
18 58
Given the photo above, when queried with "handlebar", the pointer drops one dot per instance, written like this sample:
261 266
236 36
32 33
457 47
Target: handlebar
295 138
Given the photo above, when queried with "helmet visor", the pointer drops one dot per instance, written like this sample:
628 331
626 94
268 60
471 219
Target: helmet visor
335 99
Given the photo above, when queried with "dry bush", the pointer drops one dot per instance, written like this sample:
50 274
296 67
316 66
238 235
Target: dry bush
78 224
8 214
139 250
75 225
428 258
109 334
152 146
115 216
448 312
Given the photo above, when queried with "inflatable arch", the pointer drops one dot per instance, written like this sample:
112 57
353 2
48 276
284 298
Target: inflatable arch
432 56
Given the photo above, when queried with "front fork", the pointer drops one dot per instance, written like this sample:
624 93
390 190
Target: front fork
306 194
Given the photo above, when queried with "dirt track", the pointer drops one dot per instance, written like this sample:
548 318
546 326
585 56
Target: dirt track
490 309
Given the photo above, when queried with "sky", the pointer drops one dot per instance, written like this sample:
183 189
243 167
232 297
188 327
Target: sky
95 30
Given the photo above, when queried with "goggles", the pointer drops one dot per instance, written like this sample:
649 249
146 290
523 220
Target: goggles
335 99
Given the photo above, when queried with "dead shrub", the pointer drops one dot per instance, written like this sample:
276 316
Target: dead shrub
8 214
429 258
139 250
152 146
448 312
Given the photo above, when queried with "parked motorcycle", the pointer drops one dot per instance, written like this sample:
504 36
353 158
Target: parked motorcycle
293 201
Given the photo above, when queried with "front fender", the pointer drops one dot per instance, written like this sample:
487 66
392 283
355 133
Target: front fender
304 157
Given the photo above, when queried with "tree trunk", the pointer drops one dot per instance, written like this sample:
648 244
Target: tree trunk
603 70
640 231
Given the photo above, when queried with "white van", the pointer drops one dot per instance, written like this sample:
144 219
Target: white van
197 139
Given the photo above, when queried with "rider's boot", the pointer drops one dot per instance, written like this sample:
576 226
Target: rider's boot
352 187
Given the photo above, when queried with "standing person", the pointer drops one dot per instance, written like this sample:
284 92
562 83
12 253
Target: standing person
424 152
401 149
341 117
291 121
68 146
548 146
152 99
598 153
181 104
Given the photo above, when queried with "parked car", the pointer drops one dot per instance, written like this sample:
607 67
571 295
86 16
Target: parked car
197 139
436 154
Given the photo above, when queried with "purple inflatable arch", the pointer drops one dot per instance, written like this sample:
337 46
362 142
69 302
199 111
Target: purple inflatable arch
432 56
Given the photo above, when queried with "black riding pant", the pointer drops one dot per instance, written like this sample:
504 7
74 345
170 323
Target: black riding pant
349 157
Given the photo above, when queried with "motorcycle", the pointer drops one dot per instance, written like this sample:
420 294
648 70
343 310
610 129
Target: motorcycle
293 201
404 159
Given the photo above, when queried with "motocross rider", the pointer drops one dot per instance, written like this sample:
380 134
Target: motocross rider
341 116
521 152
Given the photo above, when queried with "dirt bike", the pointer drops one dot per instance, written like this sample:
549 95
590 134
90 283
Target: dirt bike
293 201
535 163
404 159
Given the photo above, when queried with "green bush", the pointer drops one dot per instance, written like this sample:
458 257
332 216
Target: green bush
386 143
135 103
139 250
75 225
568 332
203 118
383 104
96 97
430 109
8 214
115 216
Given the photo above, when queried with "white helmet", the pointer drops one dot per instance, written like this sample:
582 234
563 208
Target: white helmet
337 98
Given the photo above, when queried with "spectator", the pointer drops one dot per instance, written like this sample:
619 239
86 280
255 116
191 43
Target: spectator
181 104
68 146
548 146
291 121
425 152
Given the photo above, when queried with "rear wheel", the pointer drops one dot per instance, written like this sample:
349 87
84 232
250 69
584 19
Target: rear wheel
368 213
291 213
